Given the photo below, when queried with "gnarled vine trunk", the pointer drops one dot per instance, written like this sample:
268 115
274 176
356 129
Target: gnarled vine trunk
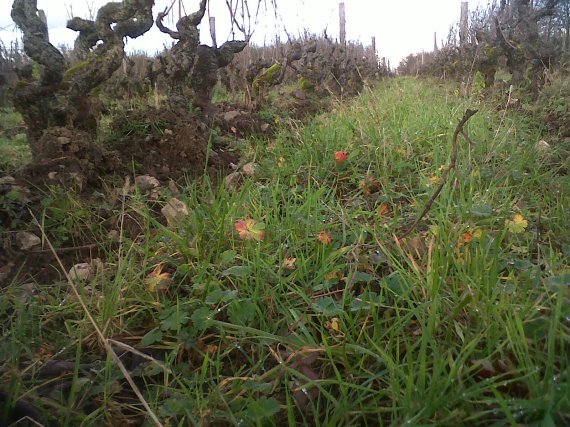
61 96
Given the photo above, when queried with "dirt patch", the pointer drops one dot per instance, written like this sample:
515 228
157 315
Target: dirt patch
68 156
159 142
240 122
165 143
301 105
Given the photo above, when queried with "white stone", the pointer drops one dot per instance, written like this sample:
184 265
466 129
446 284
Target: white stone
7 180
80 271
27 240
249 169
174 211
146 183
543 146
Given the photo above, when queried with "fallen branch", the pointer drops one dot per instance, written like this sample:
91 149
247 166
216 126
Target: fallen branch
454 150
67 249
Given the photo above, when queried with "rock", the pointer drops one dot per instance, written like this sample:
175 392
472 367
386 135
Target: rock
63 140
146 183
214 156
5 271
265 127
27 240
77 179
231 115
173 188
299 94
233 181
25 292
52 176
7 180
543 146
250 169
174 211
114 235
80 271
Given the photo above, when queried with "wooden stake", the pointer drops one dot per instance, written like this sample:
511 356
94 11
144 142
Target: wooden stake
464 23
213 30
342 16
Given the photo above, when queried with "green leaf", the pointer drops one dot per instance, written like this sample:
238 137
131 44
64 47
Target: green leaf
183 269
327 306
242 312
396 283
173 318
227 257
522 264
354 154
257 387
364 277
558 282
217 296
151 337
261 408
174 406
201 318
364 301
237 271
15 195
482 211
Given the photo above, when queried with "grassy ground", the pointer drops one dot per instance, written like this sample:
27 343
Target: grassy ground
292 300
13 146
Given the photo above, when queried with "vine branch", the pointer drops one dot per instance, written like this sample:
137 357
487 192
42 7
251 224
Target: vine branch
453 162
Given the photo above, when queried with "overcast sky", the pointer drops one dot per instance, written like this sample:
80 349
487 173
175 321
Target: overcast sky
400 26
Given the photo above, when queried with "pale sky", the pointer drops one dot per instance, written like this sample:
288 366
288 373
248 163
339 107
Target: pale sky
401 27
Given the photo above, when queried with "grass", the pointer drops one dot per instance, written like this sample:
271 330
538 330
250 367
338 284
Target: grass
321 315
14 150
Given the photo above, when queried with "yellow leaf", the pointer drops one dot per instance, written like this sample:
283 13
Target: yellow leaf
157 280
290 263
477 233
335 324
519 249
335 275
517 225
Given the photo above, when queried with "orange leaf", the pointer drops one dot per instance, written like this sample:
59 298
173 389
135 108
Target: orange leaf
384 209
340 156
250 229
324 237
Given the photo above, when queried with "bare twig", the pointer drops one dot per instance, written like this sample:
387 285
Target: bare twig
452 164
67 249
